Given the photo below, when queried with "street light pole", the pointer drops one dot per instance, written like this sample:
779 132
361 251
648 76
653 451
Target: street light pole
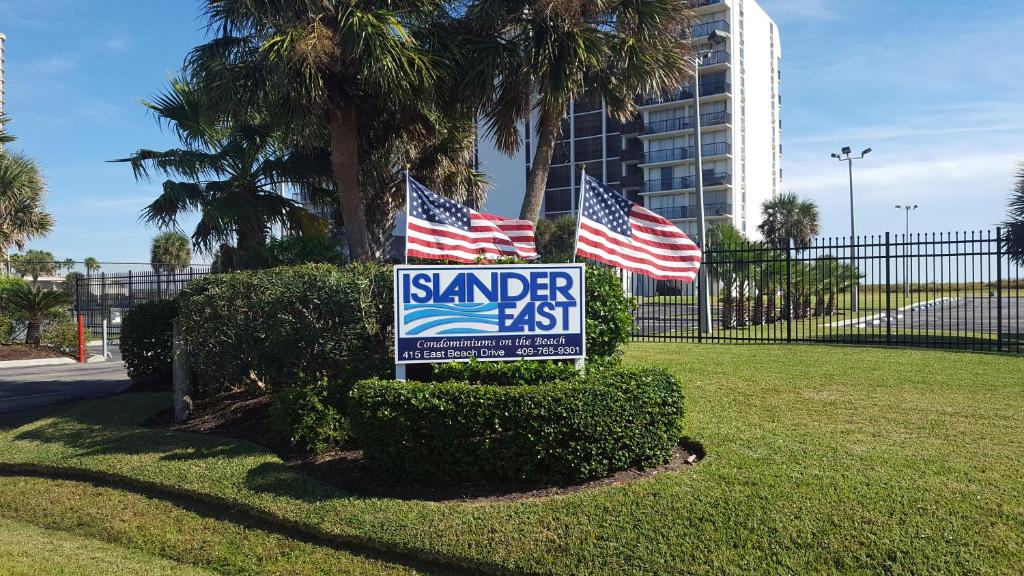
704 290
846 157
906 247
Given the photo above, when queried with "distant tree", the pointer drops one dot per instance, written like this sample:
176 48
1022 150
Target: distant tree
68 264
35 263
35 304
556 239
23 215
789 217
91 265
171 252
1014 234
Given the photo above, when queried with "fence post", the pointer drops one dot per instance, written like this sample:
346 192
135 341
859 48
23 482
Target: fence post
700 306
182 377
81 339
788 301
158 296
888 290
999 289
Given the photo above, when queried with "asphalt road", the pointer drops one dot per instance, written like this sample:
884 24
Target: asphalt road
22 388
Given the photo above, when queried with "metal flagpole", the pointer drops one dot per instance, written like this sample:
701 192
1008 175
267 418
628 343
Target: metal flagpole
579 210
407 197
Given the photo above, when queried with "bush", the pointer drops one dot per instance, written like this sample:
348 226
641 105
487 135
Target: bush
12 320
609 312
263 328
59 331
310 414
517 373
296 250
613 420
147 344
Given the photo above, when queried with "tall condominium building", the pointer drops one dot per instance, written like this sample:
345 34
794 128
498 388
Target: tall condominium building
651 158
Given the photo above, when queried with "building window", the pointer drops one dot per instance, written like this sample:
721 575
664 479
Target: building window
558 200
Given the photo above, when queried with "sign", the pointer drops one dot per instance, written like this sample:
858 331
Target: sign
509 312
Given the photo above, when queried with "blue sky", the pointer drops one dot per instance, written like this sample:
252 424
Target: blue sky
936 88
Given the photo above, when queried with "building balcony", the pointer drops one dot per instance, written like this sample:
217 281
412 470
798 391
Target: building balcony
631 154
633 126
705 29
688 212
686 153
632 181
707 88
716 57
703 3
686 182
686 123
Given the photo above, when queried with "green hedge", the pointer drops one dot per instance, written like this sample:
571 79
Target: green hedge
609 312
518 373
613 420
311 414
264 328
147 340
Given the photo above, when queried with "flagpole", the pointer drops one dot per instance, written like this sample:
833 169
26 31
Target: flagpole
579 211
407 196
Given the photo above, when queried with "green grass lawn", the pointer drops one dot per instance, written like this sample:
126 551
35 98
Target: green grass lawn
819 460
26 550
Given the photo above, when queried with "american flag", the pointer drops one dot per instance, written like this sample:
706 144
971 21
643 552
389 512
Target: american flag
615 231
441 229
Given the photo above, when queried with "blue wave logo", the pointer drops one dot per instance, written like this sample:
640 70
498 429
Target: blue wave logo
449 319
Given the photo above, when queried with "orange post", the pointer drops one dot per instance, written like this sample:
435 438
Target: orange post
81 338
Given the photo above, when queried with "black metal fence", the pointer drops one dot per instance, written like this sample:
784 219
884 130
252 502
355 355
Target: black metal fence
954 291
102 296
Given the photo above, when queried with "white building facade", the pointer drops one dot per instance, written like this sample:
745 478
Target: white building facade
651 159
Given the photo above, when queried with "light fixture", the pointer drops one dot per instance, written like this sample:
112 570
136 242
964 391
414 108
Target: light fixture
847 150
866 152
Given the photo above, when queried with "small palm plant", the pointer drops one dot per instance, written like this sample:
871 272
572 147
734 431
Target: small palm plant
35 303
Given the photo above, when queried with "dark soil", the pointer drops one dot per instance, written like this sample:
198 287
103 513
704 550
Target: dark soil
243 416
19 352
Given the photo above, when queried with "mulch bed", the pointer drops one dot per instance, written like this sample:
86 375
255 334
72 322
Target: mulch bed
19 352
243 416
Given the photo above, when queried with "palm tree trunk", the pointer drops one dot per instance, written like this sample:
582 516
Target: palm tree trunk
345 167
547 131
33 332
759 308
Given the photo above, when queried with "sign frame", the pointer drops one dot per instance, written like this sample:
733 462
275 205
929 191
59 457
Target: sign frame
579 268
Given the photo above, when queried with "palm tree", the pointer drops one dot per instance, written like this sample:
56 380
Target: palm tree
789 217
1014 234
170 252
440 156
319 66
23 214
35 304
35 263
729 264
539 55
230 174
91 265
5 138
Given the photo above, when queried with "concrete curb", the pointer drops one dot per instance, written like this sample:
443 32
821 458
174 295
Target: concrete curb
36 362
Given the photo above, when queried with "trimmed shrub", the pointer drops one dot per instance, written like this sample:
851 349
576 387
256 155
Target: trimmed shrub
311 414
609 313
613 420
517 373
263 328
59 331
147 340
